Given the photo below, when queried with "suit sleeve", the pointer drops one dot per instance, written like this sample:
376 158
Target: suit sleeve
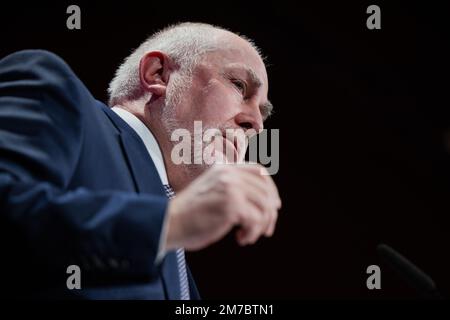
41 134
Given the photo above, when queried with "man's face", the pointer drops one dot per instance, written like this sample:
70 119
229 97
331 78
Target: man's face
228 90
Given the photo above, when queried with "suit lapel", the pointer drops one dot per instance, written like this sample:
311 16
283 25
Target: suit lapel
147 180
143 170
141 165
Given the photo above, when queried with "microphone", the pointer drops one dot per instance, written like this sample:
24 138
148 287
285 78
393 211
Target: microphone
410 273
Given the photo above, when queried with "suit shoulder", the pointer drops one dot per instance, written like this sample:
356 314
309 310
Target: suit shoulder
47 71
32 59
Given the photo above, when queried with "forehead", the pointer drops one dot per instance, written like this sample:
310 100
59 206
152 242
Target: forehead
237 55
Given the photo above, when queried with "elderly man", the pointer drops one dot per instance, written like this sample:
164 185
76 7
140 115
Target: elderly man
90 189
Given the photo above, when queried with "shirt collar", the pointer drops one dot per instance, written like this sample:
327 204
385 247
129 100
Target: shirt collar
148 138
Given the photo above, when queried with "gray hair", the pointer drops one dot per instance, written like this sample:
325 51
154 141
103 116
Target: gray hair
185 43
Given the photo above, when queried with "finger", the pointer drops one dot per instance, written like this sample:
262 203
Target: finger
252 223
257 191
254 171
273 186
263 183
272 224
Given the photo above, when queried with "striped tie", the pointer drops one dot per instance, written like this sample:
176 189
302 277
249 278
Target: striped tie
181 261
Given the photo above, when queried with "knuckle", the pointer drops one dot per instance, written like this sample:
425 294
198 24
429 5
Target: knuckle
222 179
233 216
263 169
223 183
219 170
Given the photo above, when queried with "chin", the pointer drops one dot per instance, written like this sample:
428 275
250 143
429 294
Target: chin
194 170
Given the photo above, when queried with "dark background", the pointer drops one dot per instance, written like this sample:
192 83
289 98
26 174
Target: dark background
364 129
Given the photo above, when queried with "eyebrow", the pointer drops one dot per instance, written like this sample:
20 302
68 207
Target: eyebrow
253 77
266 109
256 82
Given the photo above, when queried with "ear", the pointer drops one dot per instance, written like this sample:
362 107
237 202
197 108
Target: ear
154 70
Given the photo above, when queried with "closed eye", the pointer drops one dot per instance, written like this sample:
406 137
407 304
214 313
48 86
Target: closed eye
240 85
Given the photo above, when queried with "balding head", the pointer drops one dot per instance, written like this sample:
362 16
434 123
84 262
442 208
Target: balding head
185 43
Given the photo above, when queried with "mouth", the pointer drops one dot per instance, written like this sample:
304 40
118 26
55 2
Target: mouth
233 143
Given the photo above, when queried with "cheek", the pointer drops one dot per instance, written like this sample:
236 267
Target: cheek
216 102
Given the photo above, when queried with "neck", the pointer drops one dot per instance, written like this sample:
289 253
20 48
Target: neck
179 176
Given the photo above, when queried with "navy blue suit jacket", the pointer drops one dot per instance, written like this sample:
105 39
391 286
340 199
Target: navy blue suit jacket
77 187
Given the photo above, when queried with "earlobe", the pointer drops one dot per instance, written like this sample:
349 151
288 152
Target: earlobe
152 73
157 90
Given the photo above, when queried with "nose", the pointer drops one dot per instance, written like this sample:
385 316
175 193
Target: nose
250 119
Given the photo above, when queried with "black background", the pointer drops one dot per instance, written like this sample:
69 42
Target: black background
364 129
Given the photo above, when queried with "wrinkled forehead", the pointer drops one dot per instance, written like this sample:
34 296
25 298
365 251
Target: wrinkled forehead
236 54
